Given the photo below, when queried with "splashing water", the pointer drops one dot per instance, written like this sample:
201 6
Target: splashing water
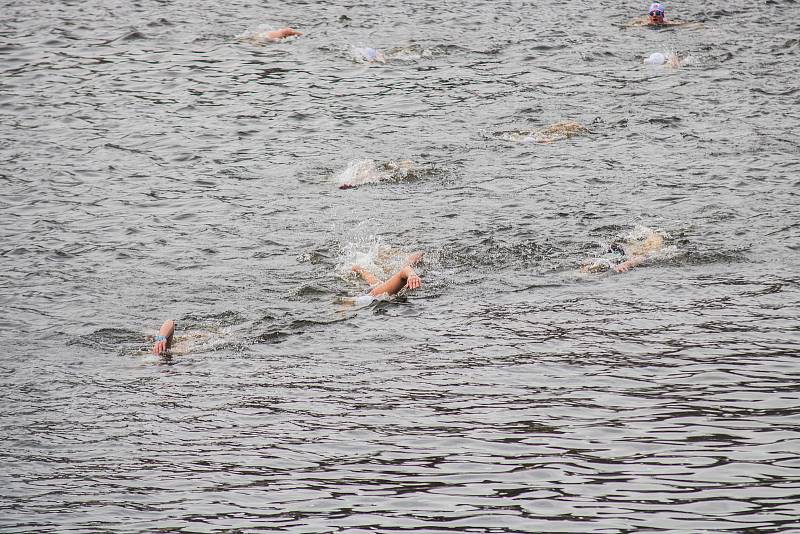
640 241
360 247
198 341
414 53
359 173
557 131
367 171
641 232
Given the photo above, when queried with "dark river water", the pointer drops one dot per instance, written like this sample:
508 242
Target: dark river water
157 163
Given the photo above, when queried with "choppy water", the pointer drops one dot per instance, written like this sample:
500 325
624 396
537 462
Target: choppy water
155 166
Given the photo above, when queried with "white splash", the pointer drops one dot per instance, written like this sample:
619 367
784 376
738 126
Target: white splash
360 172
367 171
360 246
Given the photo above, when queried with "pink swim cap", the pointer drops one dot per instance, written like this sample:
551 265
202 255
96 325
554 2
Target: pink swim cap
656 7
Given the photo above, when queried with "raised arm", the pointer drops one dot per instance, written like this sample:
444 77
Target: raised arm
164 337
406 278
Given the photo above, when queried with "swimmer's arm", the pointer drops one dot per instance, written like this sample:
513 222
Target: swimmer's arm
406 278
642 21
627 265
366 275
167 330
282 33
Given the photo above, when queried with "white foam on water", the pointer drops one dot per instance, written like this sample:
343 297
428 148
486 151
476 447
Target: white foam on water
367 171
413 53
360 246
258 34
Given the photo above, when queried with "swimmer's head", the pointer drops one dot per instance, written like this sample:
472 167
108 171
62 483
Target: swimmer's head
655 15
370 55
616 248
656 58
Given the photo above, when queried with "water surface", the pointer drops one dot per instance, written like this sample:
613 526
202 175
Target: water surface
154 166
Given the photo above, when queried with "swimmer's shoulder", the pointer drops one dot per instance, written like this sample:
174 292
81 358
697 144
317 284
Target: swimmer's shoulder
636 23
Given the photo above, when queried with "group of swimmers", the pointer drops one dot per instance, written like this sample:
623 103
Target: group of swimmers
620 256
656 17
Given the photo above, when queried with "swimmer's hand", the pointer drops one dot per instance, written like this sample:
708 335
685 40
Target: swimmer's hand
160 346
164 337
413 282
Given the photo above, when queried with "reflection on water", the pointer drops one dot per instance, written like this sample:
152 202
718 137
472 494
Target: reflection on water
155 166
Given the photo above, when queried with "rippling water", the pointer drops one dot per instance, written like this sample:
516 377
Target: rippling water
155 166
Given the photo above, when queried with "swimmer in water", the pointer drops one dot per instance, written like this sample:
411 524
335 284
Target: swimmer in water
369 172
655 18
405 278
622 256
272 36
670 59
163 340
167 343
556 132
281 33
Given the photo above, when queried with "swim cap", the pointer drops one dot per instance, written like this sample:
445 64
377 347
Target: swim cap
656 58
363 300
656 7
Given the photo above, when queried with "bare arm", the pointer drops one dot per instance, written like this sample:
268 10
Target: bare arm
282 33
366 275
405 278
627 265
164 337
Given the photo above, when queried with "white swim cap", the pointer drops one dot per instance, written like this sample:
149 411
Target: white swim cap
363 300
656 58
656 7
